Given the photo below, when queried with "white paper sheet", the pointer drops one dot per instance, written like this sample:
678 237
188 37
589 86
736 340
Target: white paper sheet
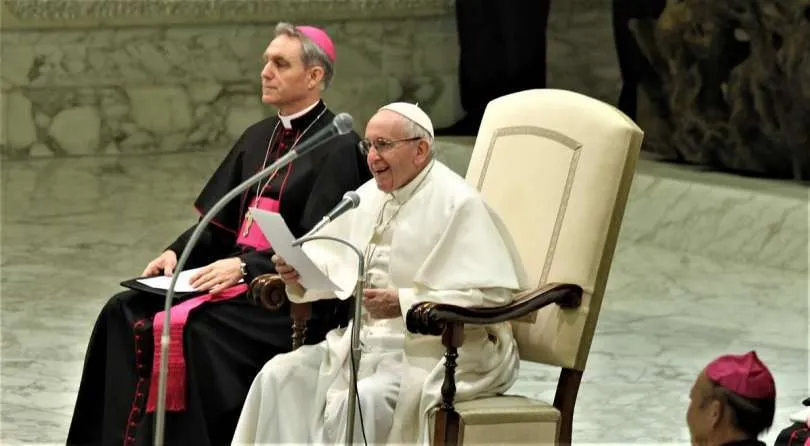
163 282
276 232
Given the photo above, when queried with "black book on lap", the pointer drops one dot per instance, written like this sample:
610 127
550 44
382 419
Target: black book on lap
133 284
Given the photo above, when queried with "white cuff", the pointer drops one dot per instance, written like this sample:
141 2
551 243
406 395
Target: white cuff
295 293
407 299
298 294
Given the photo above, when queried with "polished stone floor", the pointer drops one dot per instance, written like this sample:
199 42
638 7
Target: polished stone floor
707 265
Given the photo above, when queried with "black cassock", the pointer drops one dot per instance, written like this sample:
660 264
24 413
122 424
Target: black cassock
225 343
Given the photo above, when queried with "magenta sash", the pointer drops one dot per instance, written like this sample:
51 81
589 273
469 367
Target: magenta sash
249 235
176 378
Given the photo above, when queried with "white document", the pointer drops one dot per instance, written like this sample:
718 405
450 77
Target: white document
183 284
276 232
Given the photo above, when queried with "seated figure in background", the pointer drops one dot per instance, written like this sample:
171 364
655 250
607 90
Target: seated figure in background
732 402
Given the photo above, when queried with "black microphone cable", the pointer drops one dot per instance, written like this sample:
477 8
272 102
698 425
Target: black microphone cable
357 397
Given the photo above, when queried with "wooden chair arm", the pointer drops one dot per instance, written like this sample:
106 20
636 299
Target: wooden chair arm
269 291
430 318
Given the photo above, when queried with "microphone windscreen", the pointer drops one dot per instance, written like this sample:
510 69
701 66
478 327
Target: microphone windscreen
343 123
354 197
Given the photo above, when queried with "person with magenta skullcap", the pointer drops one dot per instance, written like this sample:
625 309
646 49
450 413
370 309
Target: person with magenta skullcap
732 402
220 337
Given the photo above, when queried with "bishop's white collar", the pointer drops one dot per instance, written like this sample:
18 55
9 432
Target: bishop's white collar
286 121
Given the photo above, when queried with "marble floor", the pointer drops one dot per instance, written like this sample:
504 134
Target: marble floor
73 228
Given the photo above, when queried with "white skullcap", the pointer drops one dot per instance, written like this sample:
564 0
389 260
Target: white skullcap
412 112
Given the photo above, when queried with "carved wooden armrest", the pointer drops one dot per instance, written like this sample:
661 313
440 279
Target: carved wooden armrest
269 291
429 318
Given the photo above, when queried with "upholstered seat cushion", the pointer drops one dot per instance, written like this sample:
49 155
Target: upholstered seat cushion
507 419
506 409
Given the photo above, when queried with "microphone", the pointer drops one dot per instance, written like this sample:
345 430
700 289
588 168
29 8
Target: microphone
341 125
350 201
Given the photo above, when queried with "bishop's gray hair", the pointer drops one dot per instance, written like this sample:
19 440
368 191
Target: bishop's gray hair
311 54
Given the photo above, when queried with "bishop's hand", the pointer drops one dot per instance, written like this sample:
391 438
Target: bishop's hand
382 303
288 274
218 276
164 263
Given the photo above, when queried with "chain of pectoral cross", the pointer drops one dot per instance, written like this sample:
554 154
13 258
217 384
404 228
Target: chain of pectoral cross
380 228
259 187
371 248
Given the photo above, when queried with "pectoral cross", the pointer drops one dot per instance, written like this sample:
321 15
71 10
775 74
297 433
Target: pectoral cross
248 222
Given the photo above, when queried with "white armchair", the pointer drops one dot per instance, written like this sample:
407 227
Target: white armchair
557 167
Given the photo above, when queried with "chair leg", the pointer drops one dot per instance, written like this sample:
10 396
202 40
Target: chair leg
448 428
448 423
300 315
564 401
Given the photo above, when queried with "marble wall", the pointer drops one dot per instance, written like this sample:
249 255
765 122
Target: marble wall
170 87
85 77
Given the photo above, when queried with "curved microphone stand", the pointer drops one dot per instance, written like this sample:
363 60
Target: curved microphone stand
356 322
342 124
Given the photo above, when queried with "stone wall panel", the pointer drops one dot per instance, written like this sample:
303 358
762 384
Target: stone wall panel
197 85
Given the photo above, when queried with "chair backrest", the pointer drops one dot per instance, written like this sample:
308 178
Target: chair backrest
557 167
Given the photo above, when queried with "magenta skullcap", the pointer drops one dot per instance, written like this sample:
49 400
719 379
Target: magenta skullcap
744 375
320 38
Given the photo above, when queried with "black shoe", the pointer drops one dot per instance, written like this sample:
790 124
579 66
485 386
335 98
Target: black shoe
467 126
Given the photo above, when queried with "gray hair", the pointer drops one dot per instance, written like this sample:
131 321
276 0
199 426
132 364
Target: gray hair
311 54
415 130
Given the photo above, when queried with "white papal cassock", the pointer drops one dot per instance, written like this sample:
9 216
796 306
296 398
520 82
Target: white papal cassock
434 240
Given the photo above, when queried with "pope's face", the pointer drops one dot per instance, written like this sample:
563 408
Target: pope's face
285 79
395 157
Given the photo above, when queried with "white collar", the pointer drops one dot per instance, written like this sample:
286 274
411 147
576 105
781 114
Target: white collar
405 192
286 121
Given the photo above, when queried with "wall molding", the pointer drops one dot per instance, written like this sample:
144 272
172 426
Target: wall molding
71 14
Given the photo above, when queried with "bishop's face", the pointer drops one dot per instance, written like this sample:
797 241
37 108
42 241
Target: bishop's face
285 79
703 413
395 157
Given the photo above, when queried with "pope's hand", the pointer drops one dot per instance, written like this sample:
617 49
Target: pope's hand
288 274
382 303
218 276
164 263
